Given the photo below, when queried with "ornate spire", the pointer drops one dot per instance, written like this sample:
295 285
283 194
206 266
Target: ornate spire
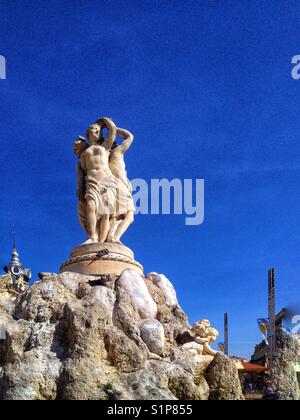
15 259
14 236
18 273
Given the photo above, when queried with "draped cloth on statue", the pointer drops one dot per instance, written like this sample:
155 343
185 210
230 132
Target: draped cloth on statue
82 210
82 207
124 200
103 193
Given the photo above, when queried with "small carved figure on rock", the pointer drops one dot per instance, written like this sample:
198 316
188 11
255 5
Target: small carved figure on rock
205 335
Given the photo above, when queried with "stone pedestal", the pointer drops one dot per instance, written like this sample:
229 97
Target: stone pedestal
101 258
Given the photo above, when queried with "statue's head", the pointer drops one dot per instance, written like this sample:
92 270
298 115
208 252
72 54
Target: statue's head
201 328
93 134
213 334
80 145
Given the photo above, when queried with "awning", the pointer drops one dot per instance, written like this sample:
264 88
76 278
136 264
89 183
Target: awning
244 366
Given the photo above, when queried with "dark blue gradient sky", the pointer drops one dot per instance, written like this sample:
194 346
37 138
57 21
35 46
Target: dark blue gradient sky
206 88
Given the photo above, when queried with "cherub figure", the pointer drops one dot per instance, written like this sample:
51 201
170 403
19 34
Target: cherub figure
205 335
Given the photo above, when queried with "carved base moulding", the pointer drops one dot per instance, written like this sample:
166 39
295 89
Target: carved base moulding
101 258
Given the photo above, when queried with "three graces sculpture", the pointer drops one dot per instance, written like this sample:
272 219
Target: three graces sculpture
105 207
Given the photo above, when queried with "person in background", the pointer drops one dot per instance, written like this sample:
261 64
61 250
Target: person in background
269 393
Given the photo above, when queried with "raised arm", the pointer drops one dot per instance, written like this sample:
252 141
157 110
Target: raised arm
128 139
112 132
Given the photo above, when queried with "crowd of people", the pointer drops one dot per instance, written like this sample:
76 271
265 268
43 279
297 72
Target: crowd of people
261 386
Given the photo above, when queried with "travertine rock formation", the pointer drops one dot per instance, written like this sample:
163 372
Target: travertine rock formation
74 337
284 375
223 380
8 294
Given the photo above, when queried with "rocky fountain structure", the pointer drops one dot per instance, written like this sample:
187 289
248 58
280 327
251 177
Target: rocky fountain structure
101 329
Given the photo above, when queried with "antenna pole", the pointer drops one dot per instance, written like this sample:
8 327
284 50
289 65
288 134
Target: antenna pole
14 236
226 341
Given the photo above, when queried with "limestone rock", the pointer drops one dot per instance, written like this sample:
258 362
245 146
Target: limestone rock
152 333
284 375
29 366
43 301
123 352
133 303
150 384
131 287
83 370
105 296
71 281
185 387
223 379
7 294
77 337
173 319
185 376
166 286
46 275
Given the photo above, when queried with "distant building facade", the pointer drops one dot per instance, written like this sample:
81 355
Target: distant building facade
260 355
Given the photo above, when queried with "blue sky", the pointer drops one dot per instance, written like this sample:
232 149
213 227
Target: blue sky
206 88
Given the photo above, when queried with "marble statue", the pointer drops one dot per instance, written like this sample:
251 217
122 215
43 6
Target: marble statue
80 146
100 184
105 203
124 211
205 335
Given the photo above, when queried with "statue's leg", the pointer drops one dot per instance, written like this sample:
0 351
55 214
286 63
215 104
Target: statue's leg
104 228
113 223
92 220
124 225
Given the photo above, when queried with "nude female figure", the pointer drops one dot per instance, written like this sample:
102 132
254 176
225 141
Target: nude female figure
100 184
124 209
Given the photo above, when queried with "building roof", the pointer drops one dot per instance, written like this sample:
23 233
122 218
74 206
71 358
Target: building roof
244 366
280 315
